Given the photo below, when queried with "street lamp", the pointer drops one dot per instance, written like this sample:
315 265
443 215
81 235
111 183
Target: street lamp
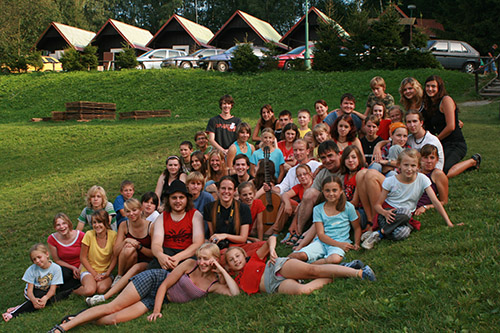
307 55
411 8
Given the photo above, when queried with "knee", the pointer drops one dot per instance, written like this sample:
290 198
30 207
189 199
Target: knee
298 255
310 194
334 259
314 270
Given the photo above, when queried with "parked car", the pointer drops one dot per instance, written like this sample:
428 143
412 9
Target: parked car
454 54
222 62
50 64
191 60
285 61
154 58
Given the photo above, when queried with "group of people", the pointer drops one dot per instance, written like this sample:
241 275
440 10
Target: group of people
353 179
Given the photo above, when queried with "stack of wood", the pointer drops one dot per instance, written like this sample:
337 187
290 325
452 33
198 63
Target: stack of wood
83 111
143 114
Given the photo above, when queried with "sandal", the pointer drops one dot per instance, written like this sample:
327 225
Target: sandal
293 240
56 329
67 318
476 157
286 238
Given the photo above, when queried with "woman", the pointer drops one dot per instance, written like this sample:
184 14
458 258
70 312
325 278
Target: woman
441 119
411 94
172 171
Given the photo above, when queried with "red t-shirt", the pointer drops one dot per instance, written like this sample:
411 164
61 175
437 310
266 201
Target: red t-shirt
68 253
383 129
287 153
249 278
178 234
299 190
257 207
349 186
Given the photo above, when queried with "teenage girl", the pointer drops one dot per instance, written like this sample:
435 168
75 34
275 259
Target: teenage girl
216 170
172 172
411 93
399 198
268 140
240 146
390 152
378 109
199 162
150 202
282 274
42 279
321 112
344 133
247 191
150 289
96 199
289 134
321 133
266 120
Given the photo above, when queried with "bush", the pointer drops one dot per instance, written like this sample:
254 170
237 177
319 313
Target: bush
88 58
269 62
414 59
329 54
126 59
244 60
71 60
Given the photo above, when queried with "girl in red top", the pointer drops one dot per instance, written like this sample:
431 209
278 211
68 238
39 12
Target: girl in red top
247 191
281 274
321 112
289 134
378 109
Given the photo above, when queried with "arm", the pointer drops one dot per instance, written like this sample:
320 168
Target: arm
112 265
252 169
377 155
57 260
439 207
157 243
182 177
357 232
159 185
211 139
281 174
120 239
255 134
320 231
448 109
80 225
231 153
226 285
267 248
260 226
359 114
84 259
366 111
388 214
287 196
241 238
198 239
42 301
31 296
357 143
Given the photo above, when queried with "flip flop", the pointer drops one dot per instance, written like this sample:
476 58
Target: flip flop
56 329
284 240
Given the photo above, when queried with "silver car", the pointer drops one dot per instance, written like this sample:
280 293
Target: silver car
453 54
154 58
191 61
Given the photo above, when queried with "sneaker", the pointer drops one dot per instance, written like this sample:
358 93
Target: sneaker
115 281
365 235
368 274
94 300
356 264
370 241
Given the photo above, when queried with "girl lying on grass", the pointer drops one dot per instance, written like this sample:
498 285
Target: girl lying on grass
281 274
148 290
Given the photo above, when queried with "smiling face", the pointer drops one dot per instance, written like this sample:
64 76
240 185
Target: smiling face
431 88
290 135
148 207
177 202
428 163
352 161
226 192
408 167
266 114
283 120
413 123
347 106
400 136
98 226
215 162
378 110
322 136
267 139
409 91
247 195
300 152
243 135
62 227
185 151
40 258
133 214
201 141
127 191
395 116
235 260
195 163
330 160
241 167
343 128
321 110
226 108
304 176
173 167
303 119
332 192
204 260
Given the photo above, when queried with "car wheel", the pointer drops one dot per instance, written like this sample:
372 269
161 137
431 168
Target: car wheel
469 67
287 66
222 66
185 64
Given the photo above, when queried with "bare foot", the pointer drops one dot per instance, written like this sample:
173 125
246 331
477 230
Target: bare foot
6 316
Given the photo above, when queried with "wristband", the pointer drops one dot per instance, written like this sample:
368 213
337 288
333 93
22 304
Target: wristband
140 246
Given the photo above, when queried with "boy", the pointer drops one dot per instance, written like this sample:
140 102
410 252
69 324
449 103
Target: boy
185 150
201 142
347 106
371 138
304 117
241 166
284 117
378 94
127 192
221 129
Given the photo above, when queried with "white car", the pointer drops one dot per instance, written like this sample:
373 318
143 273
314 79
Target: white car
191 61
154 58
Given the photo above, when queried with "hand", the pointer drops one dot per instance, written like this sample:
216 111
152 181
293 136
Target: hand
420 210
266 187
389 215
100 277
154 316
346 246
76 273
216 238
288 208
458 224
166 261
273 256
356 247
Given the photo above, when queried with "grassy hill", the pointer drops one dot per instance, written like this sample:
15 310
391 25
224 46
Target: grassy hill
438 279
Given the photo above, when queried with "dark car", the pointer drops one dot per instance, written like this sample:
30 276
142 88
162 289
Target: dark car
191 61
453 54
285 61
222 62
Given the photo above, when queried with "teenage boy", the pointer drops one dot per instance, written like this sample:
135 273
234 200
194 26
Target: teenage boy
378 94
304 117
185 150
284 117
347 106
371 138
221 129
126 192
201 142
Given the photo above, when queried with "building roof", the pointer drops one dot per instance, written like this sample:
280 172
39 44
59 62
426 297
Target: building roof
136 37
75 37
200 34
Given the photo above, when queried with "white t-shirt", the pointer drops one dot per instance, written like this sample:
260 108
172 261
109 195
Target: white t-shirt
428 139
405 195
291 180
42 278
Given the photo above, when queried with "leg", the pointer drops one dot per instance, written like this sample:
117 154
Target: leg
293 287
133 311
126 259
298 270
122 283
281 219
103 285
306 207
307 239
302 256
461 167
89 286
331 259
370 187
23 308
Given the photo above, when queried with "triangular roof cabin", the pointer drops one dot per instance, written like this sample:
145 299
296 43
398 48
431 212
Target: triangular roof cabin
296 36
179 31
114 33
58 37
429 26
242 26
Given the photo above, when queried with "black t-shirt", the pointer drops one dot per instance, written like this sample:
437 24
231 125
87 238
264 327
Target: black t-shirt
235 177
368 147
224 130
225 222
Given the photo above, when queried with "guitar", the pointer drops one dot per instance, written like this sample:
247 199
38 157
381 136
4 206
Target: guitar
267 178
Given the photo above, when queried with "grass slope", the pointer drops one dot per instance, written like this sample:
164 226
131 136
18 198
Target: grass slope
438 279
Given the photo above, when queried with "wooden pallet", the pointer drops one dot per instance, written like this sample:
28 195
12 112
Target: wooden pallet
144 114
64 115
83 105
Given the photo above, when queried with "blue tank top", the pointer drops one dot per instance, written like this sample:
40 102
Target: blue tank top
238 151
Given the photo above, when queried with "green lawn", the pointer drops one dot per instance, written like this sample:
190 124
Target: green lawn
438 279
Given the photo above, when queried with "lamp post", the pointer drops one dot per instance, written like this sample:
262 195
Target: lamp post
307 54
411 8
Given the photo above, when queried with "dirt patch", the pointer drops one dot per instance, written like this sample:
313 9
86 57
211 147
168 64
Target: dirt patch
475 103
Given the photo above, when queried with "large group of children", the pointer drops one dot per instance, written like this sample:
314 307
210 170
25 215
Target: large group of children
353 179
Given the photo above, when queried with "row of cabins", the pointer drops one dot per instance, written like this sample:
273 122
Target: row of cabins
178 33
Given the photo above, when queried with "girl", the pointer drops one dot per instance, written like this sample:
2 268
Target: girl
64 246
41 280
97 256
216 170
321 133
289 134
378 109
276 155
247 193
172 171
281 274
266 120
439 181
441 119
321 112
199 162
241 146
411 94
399 198
150 202
344 133
148 290
332 219
390 152
96 199
351 163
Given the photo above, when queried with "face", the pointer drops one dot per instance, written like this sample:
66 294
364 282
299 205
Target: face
185 151
127 192
243 135
283 120
343 128
400 136
409 91
290 135
204 259
226 191
352 161
195 187
332 192
378 91
195 163
267 139
395 116
40 258
98 226
133 214
408 167
378 110
300 152
303 119
62 227
321 110
347 106
201 140
304 176
96 200
148 207
371 129
226 107
241 167
330 160
322 136
428 163
236 260
215 162
178 202
247 195
431 88
173 166
413 123
266 114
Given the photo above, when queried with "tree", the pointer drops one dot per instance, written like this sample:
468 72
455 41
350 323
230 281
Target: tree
88 58
127 58
146 14
244 59
71 60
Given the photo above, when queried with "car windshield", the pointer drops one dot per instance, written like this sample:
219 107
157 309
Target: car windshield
297 50
197 52
231 50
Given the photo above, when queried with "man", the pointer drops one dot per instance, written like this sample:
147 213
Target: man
221 129
347 106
